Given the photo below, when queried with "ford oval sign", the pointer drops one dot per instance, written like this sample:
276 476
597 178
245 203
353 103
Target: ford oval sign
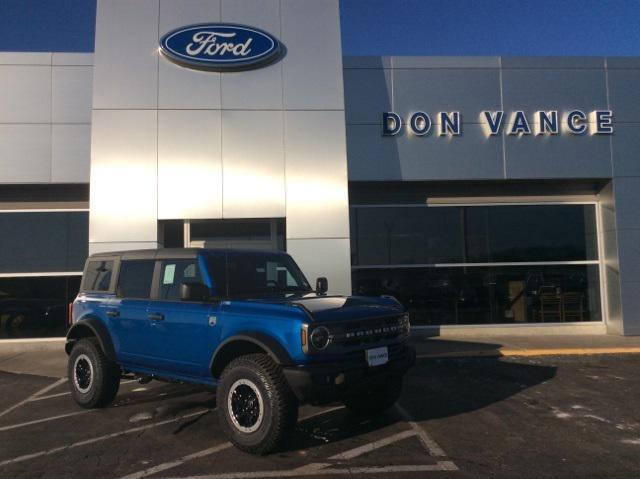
220 46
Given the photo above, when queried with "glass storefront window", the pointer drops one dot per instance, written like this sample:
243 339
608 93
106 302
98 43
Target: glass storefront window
399 235
36 306
43 242
487 295
460 264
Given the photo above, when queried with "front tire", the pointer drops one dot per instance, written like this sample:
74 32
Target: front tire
256 407
94 380
375 399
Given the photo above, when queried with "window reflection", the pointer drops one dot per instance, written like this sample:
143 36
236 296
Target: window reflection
43 242
36 306
472 234
484 295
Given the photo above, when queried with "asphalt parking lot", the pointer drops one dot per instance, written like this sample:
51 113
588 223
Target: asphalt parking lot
570 416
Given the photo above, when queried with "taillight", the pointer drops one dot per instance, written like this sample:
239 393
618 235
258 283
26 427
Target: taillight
70 314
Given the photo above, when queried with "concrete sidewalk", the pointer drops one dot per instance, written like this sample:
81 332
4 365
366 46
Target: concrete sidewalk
47 357
534 345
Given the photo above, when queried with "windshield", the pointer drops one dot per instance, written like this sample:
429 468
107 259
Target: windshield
257 274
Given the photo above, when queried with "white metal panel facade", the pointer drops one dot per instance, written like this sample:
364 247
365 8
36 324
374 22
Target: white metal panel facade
45 117
145 105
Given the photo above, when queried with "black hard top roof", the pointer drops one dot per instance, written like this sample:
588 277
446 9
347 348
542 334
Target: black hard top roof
175 253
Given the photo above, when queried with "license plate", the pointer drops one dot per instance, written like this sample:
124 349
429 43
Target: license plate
377 356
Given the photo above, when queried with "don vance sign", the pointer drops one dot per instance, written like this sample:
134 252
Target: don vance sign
519 123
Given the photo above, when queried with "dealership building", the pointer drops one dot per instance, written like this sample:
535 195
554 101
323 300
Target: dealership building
493 192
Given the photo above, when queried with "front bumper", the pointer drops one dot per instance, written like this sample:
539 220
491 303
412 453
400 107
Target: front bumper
325 382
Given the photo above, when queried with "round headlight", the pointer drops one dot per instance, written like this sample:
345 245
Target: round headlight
320 337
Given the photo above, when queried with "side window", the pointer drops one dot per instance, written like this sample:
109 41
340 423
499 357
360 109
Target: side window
97 277
176 272
135 279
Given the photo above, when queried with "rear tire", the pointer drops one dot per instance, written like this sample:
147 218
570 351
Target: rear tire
375 399
94 379
256 407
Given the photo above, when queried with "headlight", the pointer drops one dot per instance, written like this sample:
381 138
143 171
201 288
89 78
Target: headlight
320 338
406 323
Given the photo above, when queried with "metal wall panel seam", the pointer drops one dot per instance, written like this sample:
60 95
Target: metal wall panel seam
34 275
222 215
606 86
284 134
393 104
51 122
504 143
158 132
219 109
41 123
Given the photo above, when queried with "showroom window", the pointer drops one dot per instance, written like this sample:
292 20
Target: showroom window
480 264
39 242
42 254
36 307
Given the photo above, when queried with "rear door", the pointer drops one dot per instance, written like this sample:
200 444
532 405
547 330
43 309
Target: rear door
129 320
184 333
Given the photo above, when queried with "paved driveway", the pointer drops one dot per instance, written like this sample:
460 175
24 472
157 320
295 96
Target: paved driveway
510 417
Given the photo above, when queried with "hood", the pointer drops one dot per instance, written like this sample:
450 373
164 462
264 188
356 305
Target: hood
338 308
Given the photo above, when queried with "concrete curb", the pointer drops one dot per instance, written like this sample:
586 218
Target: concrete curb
506 352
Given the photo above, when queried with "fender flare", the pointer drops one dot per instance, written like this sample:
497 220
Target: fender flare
272 346
97 329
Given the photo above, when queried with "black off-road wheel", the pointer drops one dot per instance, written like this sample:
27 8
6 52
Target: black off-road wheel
375 399
256 407
93 378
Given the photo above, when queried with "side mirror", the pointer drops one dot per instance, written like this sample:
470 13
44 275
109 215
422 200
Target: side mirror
322 285
194 292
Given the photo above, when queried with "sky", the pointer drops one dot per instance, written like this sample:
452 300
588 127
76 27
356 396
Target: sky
390 27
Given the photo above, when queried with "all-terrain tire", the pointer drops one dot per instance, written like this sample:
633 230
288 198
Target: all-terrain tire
94 379
251 380
375 399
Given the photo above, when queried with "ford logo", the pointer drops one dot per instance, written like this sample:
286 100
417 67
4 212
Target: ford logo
218 46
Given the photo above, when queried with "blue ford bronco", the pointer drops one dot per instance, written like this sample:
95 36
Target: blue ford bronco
245 322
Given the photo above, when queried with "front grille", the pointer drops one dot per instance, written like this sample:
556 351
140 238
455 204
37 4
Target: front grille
366 331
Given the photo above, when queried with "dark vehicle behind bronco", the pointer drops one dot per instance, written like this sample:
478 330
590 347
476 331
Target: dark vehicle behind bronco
245 322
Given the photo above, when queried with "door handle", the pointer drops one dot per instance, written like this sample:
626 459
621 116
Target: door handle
112 313
156 316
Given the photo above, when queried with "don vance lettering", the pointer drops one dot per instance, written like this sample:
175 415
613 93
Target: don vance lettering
493 123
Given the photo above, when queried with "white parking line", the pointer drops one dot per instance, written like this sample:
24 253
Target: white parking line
48 452
372 446
51 396
46 419
321 469
178 462
311 471
427 441
212 450
319 413
36 394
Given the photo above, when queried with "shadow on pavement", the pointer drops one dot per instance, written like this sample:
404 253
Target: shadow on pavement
438 388
433 389
433 346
